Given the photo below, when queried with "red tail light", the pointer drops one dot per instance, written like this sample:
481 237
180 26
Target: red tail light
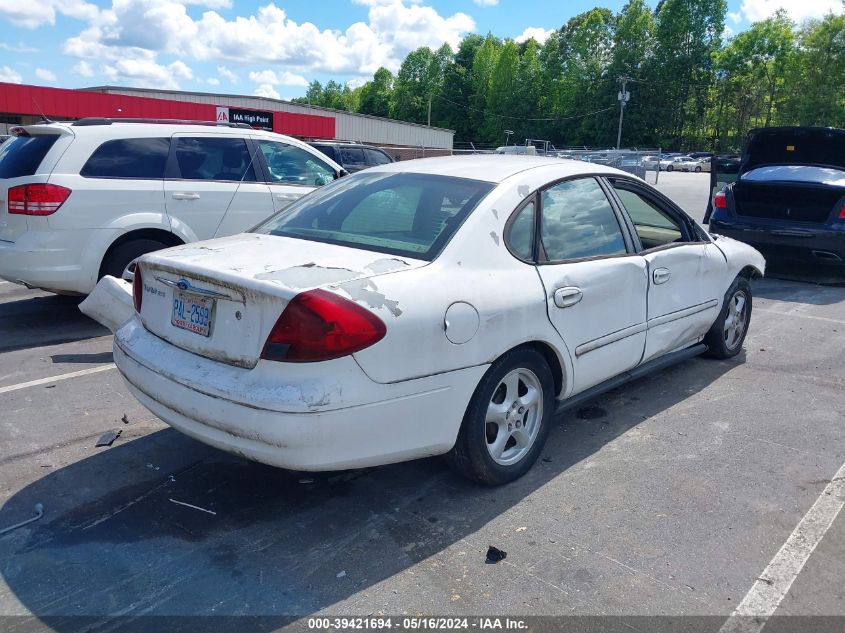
319 325
720 200
137 289
842 212
39 199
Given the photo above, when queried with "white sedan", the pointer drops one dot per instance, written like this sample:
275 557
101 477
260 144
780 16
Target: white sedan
436 306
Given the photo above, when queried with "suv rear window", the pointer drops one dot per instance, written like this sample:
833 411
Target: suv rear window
21 155
402 214
128 158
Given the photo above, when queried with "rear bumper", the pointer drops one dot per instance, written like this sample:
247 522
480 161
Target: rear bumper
271 415
53 260
822 245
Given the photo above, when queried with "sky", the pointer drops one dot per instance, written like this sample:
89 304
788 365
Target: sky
273 48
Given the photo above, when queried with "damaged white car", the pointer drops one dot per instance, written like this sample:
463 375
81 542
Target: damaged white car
439 306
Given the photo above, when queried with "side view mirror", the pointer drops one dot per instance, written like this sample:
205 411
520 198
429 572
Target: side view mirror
342 172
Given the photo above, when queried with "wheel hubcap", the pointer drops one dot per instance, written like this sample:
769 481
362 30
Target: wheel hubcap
514 416
736 320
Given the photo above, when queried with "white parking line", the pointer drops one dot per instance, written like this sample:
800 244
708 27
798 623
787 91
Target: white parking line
773 584
798 314
51 379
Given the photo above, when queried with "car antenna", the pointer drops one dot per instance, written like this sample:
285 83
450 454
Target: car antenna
44 118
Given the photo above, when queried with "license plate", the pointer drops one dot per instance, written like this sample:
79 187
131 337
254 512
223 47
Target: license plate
193 313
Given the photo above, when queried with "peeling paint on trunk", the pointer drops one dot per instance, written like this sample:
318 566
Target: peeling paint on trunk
365 291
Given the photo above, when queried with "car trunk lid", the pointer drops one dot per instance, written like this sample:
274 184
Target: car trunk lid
819 146
240 285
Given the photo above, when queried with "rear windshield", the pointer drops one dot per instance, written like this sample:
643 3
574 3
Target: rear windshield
21 155
402 214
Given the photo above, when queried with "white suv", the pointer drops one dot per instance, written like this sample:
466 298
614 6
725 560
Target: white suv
82 200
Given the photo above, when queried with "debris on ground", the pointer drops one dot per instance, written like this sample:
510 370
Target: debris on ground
39 512
521 529
108 438
189 505
340 574
125 419
494 555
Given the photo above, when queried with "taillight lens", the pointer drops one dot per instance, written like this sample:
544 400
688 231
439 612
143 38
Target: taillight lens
38 199
842 212
720 200
319 325
137 289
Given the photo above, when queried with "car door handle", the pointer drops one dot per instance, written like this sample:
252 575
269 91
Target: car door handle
288 196
186 195
661 275
569 296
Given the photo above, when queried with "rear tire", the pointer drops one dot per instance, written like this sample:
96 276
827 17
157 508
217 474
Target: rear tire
120 257
507 421
669 168
727 334
697 170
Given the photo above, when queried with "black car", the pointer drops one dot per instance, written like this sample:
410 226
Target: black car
788 200
352 156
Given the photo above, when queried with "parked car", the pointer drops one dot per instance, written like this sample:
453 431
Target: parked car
352 156
789 197
81 200
678 163
704 164
438 306
522 150
700 155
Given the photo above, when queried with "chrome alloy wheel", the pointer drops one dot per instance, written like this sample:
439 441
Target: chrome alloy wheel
514 416
736 320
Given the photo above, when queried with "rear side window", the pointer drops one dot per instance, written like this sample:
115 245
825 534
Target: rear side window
577 221
139 158
352 156
375 157
291 165
328 150
210 158
21 155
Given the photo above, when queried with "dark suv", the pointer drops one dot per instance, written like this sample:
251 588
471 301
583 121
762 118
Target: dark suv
352 156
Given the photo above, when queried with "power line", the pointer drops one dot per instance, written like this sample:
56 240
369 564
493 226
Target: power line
516 118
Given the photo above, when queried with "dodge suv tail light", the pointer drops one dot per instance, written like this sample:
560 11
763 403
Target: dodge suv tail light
720 200
319 325
38 199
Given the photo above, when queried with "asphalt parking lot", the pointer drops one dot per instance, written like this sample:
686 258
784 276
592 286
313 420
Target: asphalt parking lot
680 494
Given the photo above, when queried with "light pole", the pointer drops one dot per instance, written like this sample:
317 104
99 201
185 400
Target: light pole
624 96
508 135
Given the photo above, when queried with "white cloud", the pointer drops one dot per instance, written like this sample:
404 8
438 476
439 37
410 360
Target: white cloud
356 82
274 79
736 17
33 15
45 75
212 81
20 47
536 32
83 69
140 30
266 90
486 3
147 73
797 10
9 76
227 74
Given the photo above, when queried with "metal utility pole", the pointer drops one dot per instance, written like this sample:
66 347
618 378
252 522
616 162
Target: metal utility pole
624 96
429 110
508 136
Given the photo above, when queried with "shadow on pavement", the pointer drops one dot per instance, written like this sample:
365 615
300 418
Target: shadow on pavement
45 320
267 542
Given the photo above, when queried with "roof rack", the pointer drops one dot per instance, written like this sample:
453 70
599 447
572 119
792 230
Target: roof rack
108 121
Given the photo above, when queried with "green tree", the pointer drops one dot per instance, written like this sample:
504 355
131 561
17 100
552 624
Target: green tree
376 95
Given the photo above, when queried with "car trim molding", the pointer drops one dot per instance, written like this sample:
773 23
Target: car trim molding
680 314
607 339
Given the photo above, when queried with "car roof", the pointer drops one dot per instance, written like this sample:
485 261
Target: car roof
492 167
